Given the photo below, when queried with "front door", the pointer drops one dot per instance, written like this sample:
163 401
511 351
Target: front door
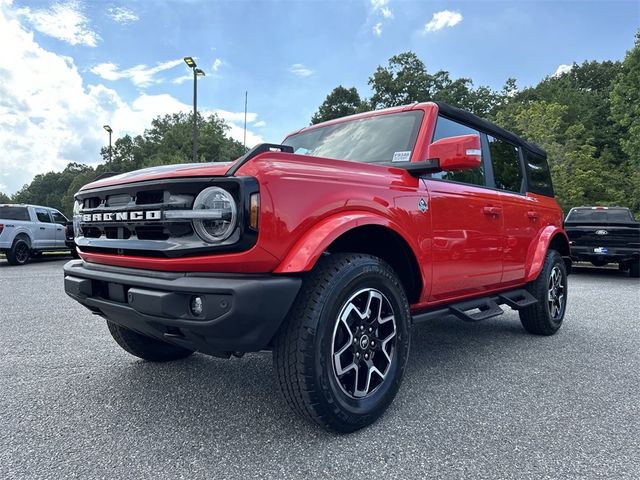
467 245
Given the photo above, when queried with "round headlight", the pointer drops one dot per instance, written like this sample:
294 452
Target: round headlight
223 214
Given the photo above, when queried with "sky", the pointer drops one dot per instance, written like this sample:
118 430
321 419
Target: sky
68 67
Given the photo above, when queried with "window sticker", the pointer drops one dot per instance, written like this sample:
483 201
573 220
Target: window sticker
401 156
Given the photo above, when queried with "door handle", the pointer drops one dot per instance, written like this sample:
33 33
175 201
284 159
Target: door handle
532 215
42 228
59 229
493 211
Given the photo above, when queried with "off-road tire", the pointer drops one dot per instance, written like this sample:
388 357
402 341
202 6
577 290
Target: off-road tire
20 252
634 269
145 347
538 319
303 348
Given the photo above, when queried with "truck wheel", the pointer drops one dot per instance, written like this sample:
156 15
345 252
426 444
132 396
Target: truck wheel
341 354
145 347
550 288
634 269
19 253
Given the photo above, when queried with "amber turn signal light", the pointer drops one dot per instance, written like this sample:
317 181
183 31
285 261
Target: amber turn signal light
254 212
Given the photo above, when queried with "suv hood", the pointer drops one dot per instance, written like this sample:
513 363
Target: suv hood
213 169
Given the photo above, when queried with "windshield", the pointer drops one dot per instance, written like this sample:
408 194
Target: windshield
600 215
381 138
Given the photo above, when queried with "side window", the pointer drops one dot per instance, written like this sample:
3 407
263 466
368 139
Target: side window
58 218
506 165
446 128
43 216
539 176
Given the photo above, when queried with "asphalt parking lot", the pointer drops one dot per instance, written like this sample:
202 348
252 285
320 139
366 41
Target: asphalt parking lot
479 400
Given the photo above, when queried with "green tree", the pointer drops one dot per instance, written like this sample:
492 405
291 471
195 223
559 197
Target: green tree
625 112
339 103
4 198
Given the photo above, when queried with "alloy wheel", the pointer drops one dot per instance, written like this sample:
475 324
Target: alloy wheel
363 343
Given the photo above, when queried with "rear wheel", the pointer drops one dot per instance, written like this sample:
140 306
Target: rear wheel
145 347
550 288
341 354
19 253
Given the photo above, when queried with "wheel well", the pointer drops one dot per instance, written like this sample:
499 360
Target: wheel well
23 236
390 247
560 244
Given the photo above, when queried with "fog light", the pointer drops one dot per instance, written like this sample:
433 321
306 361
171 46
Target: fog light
197 306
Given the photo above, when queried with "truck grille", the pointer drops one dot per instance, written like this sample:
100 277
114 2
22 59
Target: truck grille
157 237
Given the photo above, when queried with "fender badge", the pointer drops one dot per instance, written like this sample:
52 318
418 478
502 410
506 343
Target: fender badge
422 205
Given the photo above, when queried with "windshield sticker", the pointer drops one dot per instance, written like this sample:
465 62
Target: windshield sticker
401 156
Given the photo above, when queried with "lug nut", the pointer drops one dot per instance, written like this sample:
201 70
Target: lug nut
370 329
358 354
373 344
366 356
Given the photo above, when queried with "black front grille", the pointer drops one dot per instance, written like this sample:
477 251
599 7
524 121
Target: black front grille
158 237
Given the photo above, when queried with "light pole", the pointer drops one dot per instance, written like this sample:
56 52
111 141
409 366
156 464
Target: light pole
196 73
110 130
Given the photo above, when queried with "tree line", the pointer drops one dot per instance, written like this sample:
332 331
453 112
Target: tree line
587 119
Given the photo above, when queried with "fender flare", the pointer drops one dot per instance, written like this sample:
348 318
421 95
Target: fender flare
22 232
538 250
307 250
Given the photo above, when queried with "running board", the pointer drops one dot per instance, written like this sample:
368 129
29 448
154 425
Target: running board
481 308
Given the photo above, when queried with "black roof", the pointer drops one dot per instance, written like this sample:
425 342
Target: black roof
486 126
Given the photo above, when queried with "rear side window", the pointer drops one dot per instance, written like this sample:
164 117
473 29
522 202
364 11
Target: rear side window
539 177
506 165
14 213
446 128
43 216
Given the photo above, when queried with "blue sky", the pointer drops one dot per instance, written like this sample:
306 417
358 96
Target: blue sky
80 64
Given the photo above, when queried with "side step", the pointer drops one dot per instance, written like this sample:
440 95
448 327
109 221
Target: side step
478 309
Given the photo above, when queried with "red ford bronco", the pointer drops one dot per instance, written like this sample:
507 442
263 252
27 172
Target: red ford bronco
327 249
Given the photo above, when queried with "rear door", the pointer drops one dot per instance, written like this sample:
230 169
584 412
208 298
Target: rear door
467 225
60 221
45 229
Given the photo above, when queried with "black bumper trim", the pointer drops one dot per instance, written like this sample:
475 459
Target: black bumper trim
241 312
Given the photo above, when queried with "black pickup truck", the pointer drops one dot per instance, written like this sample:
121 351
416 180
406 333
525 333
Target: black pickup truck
603 235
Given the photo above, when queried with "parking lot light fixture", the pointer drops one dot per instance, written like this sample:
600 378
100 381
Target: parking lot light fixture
197 72
110 131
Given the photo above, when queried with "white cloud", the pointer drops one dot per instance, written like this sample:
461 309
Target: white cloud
380 6
300 70
217 63
50 117
182 79
122 15
440 20
63 20
260 124
140 75
377 29
562 69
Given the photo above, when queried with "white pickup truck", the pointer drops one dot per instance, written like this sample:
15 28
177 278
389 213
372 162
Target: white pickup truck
28 230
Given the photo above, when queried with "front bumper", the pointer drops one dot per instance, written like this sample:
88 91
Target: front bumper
613 255
241 313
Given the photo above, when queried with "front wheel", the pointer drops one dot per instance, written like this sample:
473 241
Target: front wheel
550 288
341 354
634 269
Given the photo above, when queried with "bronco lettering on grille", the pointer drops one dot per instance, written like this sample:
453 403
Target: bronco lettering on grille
123 216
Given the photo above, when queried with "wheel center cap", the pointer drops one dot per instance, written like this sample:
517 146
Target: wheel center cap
364 341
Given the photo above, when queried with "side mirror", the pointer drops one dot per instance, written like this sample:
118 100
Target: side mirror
449 154
457 153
